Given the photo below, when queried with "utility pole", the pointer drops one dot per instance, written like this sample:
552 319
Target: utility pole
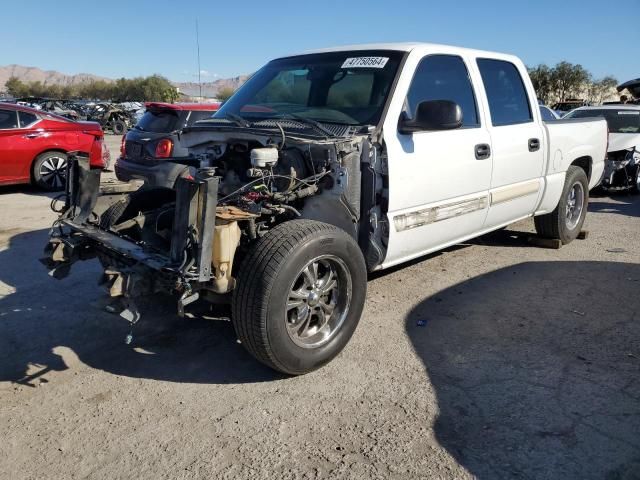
199 70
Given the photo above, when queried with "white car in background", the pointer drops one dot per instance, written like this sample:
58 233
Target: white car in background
622 168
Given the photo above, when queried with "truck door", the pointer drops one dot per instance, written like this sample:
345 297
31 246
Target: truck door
516 141
438 180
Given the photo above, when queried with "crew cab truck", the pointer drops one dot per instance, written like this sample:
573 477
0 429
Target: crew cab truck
325 166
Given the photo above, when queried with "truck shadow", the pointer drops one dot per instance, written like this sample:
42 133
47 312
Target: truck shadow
628 206
51 325
535 368
26 189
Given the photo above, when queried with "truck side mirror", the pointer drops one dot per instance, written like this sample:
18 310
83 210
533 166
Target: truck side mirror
432 115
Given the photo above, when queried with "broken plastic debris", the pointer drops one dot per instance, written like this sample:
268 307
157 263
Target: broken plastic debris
421 323
578 312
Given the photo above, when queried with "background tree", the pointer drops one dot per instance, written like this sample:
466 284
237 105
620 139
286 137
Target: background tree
569 80
600 90
566 80
224 93
541 77
171 95
15 87
142 89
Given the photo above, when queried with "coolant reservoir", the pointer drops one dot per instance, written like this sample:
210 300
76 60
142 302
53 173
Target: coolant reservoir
226 237
264 157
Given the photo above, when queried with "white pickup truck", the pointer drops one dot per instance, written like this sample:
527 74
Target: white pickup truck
322 167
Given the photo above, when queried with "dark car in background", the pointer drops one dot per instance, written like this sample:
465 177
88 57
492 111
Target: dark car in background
151 150
562 108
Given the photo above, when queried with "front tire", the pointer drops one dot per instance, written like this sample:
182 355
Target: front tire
50 171
565 222
299 296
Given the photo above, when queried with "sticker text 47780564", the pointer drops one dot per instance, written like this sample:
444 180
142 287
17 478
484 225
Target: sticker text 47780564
365 62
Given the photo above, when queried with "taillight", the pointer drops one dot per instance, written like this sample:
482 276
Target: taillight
164 148
122 146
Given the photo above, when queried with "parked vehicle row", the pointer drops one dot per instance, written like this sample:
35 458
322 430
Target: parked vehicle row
322 167
115 117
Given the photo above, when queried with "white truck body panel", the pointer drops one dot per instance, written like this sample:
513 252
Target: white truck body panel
436 181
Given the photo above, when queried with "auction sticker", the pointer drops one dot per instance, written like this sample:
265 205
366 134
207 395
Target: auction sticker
365 62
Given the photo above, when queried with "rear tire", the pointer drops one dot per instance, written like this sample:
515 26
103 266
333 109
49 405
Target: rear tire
299 296
565 222
50 171
119 127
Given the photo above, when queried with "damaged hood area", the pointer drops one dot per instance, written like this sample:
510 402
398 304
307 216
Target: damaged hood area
623 141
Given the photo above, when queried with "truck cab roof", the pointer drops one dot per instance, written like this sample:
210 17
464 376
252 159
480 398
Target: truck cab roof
410 47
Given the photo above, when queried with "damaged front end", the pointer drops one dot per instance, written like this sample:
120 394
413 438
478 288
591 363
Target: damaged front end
622 170
188 240
132 233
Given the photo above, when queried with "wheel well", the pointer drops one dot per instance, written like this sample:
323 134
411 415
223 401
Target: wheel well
585 164
33 162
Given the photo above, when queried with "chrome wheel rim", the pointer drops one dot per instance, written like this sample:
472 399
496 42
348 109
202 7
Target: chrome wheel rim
575 205
318 301
53 171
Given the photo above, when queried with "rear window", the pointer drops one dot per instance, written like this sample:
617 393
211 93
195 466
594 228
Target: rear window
158 122
27 119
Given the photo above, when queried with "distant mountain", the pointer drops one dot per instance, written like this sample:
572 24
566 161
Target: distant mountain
49 77
209 89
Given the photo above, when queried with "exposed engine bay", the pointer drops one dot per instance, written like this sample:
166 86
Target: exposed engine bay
252 182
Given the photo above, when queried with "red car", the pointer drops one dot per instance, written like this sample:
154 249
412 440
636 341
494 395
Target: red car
34 144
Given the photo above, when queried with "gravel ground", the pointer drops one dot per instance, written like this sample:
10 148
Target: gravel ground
493 359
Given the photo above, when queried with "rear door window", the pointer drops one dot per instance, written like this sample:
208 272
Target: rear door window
158 122
27 119
508 100
444 77
8 119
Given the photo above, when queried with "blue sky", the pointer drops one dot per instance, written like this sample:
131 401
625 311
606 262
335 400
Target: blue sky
117 38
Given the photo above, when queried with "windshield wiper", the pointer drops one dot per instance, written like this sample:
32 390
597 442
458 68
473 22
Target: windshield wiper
237 119
307 121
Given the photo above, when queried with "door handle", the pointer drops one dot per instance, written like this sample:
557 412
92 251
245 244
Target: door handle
32 135
483 151
534 144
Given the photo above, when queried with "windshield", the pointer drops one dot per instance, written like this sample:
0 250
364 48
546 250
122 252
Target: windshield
338 87
618 120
